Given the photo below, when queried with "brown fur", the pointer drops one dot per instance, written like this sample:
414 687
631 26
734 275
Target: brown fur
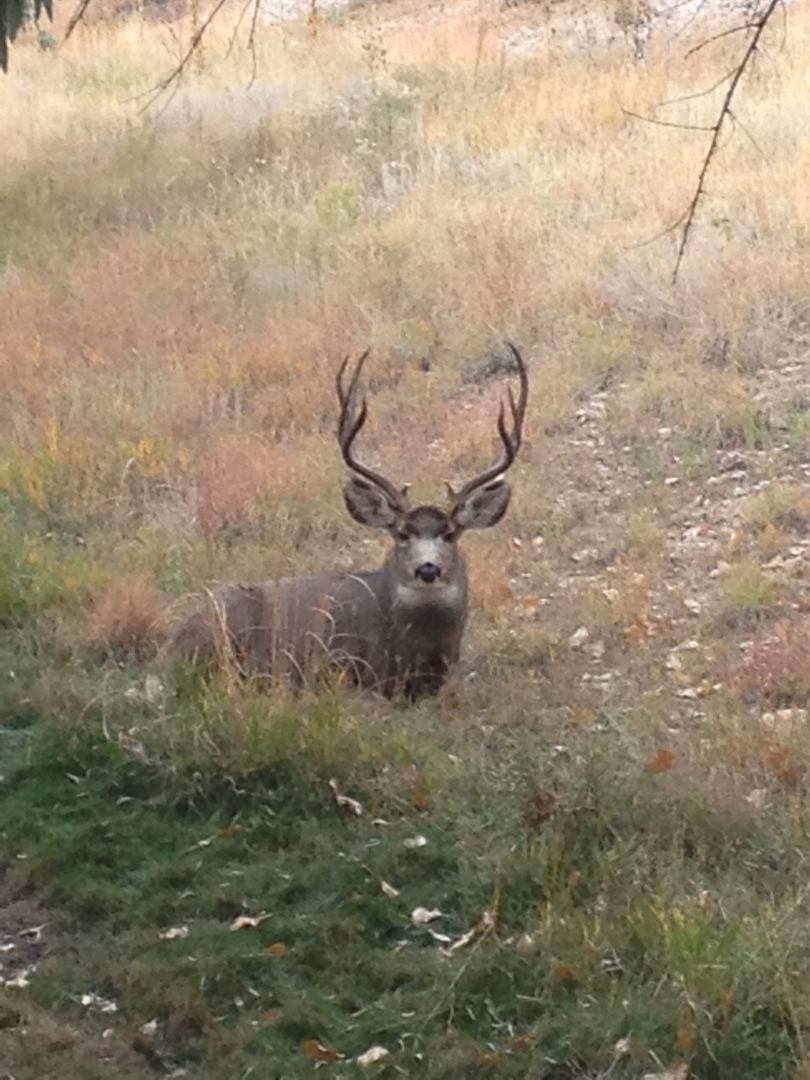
299 628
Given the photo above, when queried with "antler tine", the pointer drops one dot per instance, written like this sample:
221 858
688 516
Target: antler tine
510 440
349 425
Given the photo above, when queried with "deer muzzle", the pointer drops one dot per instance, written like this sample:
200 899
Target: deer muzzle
428 572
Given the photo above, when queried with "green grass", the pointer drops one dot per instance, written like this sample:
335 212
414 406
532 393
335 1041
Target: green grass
638 908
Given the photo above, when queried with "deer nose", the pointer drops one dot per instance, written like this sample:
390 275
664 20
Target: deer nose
428 572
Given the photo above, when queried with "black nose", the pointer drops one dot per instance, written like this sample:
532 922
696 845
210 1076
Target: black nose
428 572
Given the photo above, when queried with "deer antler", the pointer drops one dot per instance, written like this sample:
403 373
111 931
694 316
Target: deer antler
510 439
350 422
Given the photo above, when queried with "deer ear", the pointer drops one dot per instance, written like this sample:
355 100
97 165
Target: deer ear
483 507
367 504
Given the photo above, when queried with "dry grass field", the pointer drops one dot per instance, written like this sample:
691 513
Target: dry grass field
613 789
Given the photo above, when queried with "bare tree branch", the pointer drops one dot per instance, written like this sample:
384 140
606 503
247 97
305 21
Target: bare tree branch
175 76
724 115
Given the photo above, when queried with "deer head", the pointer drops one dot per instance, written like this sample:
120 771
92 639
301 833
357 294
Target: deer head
425 556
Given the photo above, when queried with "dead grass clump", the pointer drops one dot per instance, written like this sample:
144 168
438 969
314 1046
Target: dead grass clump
127 619
686 396
233 475
776 670
748 594
783 506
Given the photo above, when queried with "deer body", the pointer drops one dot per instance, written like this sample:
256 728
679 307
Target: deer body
397 629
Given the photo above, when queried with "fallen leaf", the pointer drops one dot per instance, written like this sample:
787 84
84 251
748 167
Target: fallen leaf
634 634
678 1071
661 761
96 1001
521 1044
539 809
622 1048
417 788
421 916
21 980
174 933
277 949
590 951
480 930
440 939
248 922
317 1052
529 606
373 1056
578 638
526 943
33 933
686 1037
488 1058
343 801
565 972
780 763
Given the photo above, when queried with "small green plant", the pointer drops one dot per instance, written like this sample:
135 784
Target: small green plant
338 206
746 592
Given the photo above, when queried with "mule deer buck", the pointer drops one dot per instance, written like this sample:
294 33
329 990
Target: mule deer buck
397 629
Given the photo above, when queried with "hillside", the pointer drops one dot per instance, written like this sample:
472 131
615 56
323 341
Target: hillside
610 797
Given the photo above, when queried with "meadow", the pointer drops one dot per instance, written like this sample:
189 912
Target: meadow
589 856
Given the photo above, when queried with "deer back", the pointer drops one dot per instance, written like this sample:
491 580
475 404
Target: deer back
292 628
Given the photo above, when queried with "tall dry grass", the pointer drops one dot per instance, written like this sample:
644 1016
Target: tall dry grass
179 283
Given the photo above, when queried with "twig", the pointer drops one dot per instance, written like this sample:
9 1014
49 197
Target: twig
76 18
718 37
667 123
252 42
698 93
242 14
